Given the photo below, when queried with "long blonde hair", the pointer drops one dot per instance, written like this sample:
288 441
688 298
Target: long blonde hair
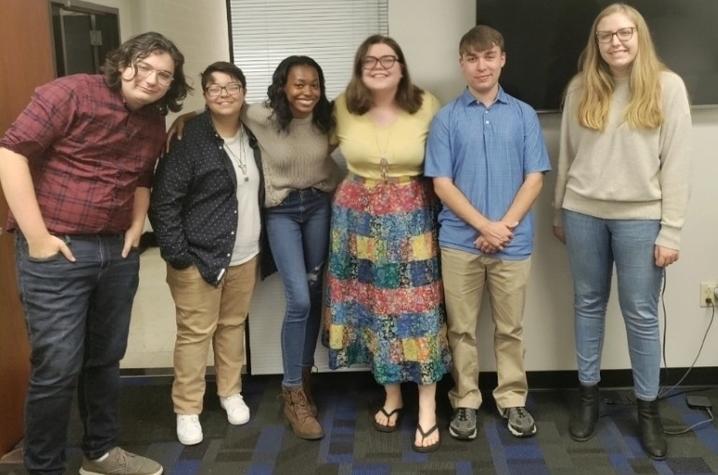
644 108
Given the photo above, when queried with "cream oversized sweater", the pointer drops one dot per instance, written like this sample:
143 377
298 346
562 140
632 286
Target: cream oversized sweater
623 172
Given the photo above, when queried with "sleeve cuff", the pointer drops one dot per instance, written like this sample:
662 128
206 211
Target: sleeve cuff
669 237
181 262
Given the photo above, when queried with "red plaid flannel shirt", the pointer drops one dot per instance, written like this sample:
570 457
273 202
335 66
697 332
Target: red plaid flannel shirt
87 154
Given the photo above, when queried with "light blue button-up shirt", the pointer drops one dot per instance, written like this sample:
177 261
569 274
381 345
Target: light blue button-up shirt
487 152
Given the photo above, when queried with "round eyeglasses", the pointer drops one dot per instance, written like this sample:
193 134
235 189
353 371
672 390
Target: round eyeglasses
144 70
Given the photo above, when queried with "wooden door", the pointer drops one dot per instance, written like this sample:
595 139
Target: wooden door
26 61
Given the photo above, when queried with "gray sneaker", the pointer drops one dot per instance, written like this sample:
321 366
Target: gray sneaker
120 462
463 424
520 421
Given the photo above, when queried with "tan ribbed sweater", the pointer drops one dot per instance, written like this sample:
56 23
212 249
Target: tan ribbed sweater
291 161
627 173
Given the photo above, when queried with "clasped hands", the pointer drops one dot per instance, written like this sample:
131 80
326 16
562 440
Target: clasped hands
495 236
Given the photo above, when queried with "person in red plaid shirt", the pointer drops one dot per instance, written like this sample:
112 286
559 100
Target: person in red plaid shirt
76 169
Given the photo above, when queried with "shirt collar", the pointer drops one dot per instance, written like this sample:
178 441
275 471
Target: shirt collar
467 98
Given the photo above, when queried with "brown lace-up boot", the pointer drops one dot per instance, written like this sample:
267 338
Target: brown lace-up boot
307 386
297 411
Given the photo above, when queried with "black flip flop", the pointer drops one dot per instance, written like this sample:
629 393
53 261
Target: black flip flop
388 415
424 435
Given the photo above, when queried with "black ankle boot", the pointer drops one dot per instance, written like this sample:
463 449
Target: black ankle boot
654 443
584 417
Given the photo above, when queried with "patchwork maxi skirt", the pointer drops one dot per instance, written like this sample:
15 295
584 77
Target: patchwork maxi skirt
384 295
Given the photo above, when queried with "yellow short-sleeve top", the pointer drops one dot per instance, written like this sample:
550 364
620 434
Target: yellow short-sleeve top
401 143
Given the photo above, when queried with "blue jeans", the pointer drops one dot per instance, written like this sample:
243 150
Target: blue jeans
594 245
298 233
78 317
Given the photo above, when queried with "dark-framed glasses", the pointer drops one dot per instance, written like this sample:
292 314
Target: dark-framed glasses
623 34
231 89
386 62
144 70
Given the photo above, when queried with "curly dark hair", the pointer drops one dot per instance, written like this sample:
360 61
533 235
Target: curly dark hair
277 99
408 96
139 47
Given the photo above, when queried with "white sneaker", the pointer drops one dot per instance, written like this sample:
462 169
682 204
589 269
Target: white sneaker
189 430
237 410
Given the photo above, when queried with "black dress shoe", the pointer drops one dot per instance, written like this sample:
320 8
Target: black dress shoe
584 417
654 443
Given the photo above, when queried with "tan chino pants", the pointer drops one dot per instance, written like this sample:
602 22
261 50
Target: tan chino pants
208 314
465 276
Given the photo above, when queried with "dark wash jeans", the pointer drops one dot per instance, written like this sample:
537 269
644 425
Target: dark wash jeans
78 317
298 233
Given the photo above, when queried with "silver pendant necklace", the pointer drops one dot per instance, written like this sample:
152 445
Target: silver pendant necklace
240 160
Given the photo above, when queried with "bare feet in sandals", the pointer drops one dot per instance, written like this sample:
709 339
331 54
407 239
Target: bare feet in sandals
387 417
426 438
387 421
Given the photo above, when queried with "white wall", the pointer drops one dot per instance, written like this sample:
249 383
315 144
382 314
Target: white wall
429 32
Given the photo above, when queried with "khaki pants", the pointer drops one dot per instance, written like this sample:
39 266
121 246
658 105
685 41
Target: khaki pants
209 314
465 275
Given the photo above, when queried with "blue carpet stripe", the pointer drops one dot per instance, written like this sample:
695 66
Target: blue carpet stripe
496 447
186 467
371 469
339 445
464 468
268 447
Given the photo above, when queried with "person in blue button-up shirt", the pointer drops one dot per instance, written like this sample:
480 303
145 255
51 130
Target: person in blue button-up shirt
487 157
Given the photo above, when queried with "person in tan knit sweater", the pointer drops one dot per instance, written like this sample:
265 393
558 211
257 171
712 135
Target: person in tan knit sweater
620 198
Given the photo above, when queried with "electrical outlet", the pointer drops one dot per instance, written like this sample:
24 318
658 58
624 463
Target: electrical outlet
708 293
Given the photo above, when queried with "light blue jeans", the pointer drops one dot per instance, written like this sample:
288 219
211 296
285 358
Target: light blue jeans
594 245
298 233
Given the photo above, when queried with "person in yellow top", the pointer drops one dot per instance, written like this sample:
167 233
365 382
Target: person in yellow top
384 297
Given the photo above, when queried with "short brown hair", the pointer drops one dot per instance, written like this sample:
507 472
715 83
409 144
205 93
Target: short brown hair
229 69
408 96
480 38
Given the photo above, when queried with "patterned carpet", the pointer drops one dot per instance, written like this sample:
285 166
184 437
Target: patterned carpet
351 445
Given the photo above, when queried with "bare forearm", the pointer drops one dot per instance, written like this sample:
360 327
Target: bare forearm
19 191
525 198
457 202
140 207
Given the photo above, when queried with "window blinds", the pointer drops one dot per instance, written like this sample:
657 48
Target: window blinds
264 32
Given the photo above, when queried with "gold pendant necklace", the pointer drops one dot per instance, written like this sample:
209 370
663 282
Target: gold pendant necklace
383 152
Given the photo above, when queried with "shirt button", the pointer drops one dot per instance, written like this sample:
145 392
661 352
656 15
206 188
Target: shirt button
235 211
232 233
487 121
229 255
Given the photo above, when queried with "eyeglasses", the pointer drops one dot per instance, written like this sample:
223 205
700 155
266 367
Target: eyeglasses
623 34
144 70
232 89
386 62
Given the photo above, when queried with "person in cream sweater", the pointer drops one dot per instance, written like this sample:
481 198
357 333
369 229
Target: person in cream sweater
620 198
